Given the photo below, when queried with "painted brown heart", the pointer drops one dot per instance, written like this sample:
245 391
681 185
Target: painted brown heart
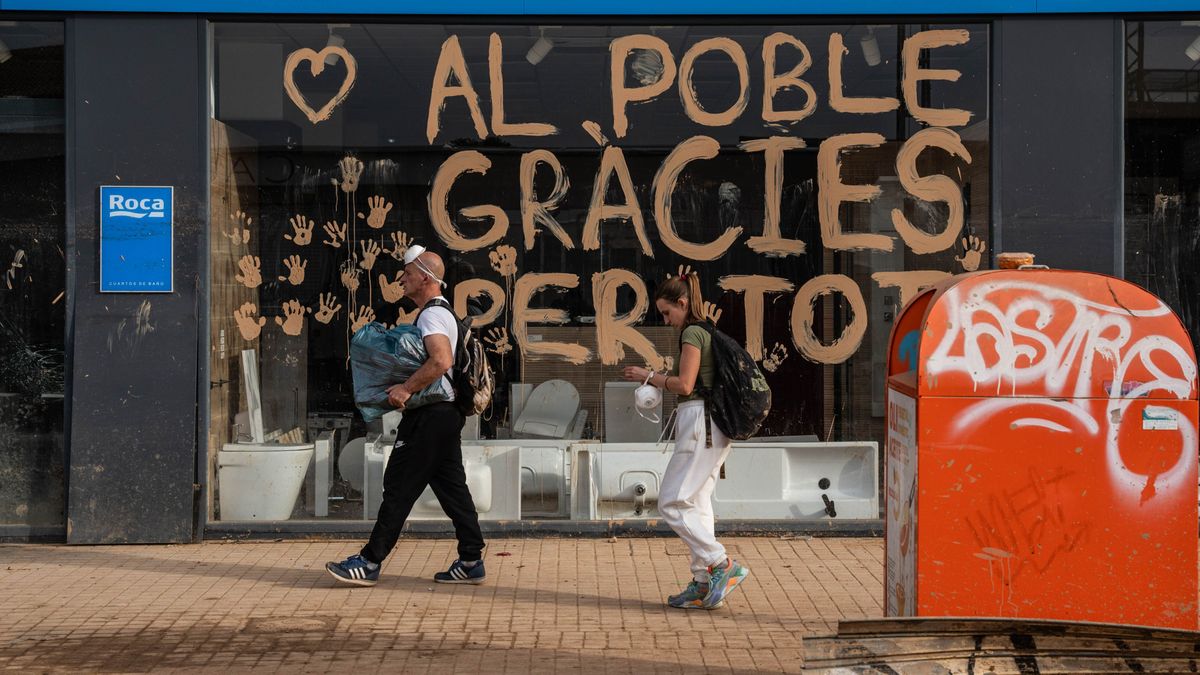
316 66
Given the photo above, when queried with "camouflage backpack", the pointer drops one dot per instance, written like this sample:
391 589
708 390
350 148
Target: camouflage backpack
739 399
471 375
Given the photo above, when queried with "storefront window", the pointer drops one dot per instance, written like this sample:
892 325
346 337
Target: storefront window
32 182
1162 162
815 176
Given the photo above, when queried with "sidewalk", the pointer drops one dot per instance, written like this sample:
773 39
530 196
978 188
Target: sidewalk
549 606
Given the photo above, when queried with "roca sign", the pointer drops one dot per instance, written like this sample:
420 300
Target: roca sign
131 207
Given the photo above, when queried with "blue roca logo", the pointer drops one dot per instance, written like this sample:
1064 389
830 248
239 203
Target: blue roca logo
119 205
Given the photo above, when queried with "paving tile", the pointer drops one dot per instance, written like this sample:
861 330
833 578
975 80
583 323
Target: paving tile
551 606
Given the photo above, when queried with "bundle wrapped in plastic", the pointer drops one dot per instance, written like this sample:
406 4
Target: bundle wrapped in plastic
381 357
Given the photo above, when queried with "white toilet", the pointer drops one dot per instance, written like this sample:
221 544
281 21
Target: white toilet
550 410
261 481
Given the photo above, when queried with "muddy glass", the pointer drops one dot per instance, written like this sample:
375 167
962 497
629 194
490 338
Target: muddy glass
32 262
1162 162
814 176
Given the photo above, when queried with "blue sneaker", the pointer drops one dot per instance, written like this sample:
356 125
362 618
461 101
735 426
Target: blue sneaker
722 581
354 570
461 574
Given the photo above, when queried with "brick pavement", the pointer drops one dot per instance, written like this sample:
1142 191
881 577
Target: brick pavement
550 606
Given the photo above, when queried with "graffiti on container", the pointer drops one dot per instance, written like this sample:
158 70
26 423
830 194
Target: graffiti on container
1028 522
1000 562
1008 334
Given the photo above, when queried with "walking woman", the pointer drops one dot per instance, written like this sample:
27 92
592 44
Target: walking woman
685 497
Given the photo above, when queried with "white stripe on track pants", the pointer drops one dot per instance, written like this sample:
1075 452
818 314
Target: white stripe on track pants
685 498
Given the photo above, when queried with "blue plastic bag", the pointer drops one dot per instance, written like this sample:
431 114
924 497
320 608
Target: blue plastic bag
381 357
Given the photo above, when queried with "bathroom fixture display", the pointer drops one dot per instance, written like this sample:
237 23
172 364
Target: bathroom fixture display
763 481
320 474
551 411
493 477
545 468
258 480
261 481
806 481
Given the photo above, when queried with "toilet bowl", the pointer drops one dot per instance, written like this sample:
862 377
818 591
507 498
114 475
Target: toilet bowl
261 481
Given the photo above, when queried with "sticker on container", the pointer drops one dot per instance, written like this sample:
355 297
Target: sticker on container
1158 417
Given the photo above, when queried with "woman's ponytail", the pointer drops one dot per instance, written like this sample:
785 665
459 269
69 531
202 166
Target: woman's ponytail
695 300
684 286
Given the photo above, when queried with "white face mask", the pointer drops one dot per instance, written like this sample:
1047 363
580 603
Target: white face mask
413 253
647 398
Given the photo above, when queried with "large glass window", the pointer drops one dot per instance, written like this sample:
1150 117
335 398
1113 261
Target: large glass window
1162 162
815 176
32 262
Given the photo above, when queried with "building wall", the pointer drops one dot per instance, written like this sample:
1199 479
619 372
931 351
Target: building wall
136 115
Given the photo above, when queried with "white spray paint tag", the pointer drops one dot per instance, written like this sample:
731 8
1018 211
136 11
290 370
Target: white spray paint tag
1158 417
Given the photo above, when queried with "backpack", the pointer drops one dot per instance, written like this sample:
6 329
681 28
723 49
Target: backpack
739 399
471 375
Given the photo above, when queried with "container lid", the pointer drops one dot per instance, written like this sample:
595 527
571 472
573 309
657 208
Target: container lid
1043 333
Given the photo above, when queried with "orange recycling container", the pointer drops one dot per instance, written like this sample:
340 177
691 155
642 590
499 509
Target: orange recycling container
1041 452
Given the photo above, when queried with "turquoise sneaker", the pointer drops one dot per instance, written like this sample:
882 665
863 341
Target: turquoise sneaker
691 597
722 581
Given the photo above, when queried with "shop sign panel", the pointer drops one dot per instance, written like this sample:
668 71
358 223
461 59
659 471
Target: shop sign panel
136 239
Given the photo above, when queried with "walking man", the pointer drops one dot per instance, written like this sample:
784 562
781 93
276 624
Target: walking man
428 448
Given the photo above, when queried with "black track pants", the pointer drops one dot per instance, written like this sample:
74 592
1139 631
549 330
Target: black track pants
428 451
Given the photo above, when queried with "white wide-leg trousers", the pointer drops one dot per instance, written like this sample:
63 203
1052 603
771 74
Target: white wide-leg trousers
685 498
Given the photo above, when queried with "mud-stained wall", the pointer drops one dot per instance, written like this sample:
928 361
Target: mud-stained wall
133 382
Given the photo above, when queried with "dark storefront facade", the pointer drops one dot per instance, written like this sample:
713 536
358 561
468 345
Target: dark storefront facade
815 169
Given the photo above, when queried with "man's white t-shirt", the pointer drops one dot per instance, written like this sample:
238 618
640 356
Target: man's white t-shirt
438 320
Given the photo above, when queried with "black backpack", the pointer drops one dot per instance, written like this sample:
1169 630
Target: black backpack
471 375
739 399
